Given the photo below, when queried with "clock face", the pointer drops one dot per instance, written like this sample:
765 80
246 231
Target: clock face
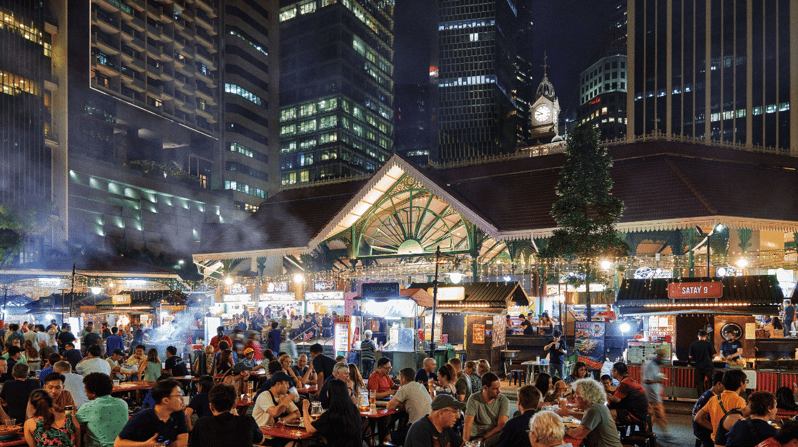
542 113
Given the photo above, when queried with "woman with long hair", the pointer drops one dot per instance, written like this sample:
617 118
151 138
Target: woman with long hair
150 369
579 371
544 384
341 425
225 361
357 379
446 380
48 428
285 364
204 364
30 351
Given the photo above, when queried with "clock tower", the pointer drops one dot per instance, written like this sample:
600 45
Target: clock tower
545 111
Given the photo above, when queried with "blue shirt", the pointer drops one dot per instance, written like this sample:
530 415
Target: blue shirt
201 405
114 342
145 424
44 372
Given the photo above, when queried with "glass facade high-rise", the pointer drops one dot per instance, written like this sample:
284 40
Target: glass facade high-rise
715 69
336 88
482 103
250 75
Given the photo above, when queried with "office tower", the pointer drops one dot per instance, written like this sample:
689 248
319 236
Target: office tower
143 123
251 111
413 122
722 70
27 138
602 96
336 88
479 44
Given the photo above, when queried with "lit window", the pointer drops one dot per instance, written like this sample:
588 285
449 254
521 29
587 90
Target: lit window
307 110
288 14
304 176
307 126
288 130
287 114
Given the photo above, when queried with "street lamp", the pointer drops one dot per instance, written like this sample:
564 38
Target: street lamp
456 277
708 238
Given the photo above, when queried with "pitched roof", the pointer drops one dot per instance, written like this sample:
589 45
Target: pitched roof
664 185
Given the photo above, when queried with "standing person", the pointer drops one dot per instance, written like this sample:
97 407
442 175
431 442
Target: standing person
47 427
114 341
789 317
367 350
254 344
64 337
701 353
52 333
224 428
731 350
597 427
437 429
557 355
734 382
653 379
321 364
165 423
699 431
288 346
15 392
219 337
514 433
486 412
275 337
341 425
103 417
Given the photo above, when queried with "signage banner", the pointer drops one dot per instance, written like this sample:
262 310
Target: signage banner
695 290
589 342
242 298
277 297
380 290
448 293
280 286
321 286
120 299
324 296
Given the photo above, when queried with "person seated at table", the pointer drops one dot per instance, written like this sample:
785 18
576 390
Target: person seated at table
727 422
204 363
470 369
150 370
174 365
149 401
709 416
545 385
15 392
47 427
579 371
225 362
787 436
301 369
700 432
340 372
756 428
774 328
437 428
165 423
546 429
103 417
427 372
629 404
248 361
268 357
380 381
514 432
545 325
285 365
462 383
341 425
527 324
135 360
597 426
73 383
357 380
31 353
198 406
446 381
71 354
54 384
483 367
274 366
115 362
276 404
223 427
52 359
560 391
486 412
93 363
606 382
412 396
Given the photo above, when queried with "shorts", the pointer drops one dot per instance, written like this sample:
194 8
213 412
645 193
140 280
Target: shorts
627 418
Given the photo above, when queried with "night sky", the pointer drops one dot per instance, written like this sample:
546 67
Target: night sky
571 32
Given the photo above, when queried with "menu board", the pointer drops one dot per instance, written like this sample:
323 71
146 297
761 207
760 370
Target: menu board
590 342
638 352
479 334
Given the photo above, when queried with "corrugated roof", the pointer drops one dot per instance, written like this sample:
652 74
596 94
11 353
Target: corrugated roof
737 290
498 294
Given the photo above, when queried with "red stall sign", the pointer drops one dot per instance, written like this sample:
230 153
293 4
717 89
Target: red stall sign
695 290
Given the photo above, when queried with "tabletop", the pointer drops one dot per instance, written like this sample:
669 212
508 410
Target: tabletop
281 431
304 390
377 413
786 413
13 442
19 439
191 378
132 386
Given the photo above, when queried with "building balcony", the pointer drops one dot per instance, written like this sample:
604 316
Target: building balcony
105 66
108 5
51 83
105 44
136 4
138 65
135 23
136 44
137 85
153 52
153 32
153 12
205 22
105 21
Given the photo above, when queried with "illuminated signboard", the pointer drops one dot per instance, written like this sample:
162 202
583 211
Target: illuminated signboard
380 290
277 297
280 286
324 296
693 290
240 298
448 293
320 286
120 299
595 101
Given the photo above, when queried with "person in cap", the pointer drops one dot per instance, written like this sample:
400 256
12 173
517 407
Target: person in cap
249 359
437 428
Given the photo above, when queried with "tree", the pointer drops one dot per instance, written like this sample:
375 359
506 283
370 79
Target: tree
18 223
586 211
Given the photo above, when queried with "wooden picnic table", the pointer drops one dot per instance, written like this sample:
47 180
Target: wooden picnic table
281 431
303 390
786 413
17 439
133 386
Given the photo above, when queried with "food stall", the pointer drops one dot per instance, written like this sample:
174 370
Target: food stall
674 310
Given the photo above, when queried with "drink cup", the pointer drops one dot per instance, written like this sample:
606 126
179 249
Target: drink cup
116 382
12 422
186 400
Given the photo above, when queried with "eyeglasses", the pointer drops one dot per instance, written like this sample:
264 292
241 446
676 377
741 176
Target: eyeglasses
180 395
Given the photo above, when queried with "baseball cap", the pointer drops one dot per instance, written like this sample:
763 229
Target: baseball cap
442 401
248 350
280 376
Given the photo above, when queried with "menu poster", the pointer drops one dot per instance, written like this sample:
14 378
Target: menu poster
479 333
590 342
341 340
638 352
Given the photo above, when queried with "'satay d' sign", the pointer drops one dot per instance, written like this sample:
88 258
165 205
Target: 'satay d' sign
695 290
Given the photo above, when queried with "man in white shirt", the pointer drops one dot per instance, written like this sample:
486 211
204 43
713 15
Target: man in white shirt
72 383
276 403
93 363
412 395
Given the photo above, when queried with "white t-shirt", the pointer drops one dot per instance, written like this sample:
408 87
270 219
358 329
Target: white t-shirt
74 384
95 365
264 402
416 399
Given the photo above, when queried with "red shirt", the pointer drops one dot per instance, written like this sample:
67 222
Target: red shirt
255 345
379 383
215 342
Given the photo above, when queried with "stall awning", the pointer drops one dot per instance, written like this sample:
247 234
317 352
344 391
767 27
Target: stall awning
490 297
745 295
420 296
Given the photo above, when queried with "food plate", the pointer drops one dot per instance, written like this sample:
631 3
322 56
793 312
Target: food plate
299 424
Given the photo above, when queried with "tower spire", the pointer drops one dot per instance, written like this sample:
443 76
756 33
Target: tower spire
545 66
